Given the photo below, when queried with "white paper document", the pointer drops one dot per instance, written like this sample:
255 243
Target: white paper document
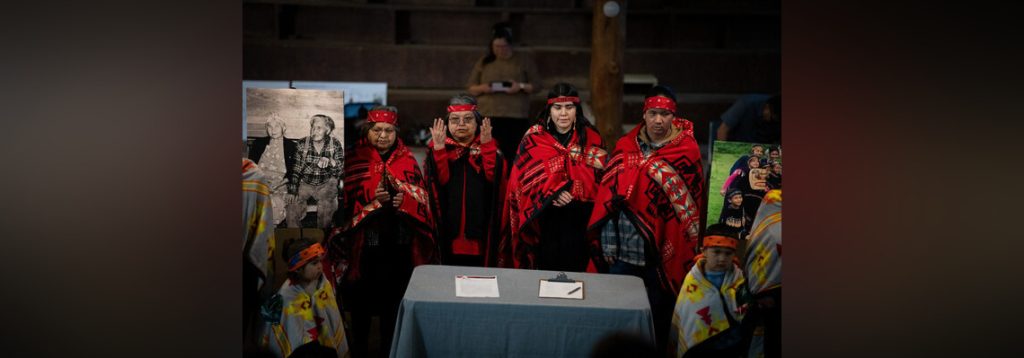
476 286
561 289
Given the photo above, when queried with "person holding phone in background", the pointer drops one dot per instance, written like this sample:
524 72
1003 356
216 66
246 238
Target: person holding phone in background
502 82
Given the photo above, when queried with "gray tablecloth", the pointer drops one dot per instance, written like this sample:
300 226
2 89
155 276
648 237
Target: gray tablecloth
432 322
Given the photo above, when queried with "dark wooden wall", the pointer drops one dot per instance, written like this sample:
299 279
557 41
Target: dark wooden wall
710 51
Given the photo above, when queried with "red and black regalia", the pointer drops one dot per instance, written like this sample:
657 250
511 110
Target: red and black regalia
373 253
541 235
659 193
467 183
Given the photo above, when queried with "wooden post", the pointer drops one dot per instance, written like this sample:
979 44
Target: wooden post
606 55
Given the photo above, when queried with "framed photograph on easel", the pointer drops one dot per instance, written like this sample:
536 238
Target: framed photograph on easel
287 129
741 173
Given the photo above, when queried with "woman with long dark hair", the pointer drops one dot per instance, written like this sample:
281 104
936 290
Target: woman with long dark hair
552 186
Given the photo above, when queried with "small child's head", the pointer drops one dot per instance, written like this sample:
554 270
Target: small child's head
777 168
719 247
775 153
302 256
735 197
753 162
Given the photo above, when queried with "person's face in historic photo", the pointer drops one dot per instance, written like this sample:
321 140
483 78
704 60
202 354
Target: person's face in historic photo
757 151
736 199
658 122
382 135
462 125
753 162
320 129
275 129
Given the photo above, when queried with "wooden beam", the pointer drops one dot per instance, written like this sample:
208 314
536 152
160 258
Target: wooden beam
606 70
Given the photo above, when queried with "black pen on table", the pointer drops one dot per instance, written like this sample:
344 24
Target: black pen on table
574 290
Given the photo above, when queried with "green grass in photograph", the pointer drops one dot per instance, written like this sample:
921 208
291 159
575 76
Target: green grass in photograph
724 155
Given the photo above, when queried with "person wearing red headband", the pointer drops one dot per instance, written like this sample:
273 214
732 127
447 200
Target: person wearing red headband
502 82
708 319
467 174
317 169
552 186
646 215
305 308
387 232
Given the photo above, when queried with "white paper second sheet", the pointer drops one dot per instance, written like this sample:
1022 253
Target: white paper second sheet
476 286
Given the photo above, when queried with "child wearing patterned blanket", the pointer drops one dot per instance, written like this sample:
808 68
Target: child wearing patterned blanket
305 309
706 321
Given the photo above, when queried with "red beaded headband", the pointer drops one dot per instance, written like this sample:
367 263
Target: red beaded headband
382 116
572 99
660 103
461 108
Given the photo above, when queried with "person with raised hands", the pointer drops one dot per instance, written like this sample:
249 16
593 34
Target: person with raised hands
467 174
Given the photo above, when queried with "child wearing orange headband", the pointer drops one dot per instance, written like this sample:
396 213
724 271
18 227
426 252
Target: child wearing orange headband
706 321
304 310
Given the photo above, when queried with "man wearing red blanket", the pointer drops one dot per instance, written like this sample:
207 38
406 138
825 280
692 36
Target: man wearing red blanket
646 214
